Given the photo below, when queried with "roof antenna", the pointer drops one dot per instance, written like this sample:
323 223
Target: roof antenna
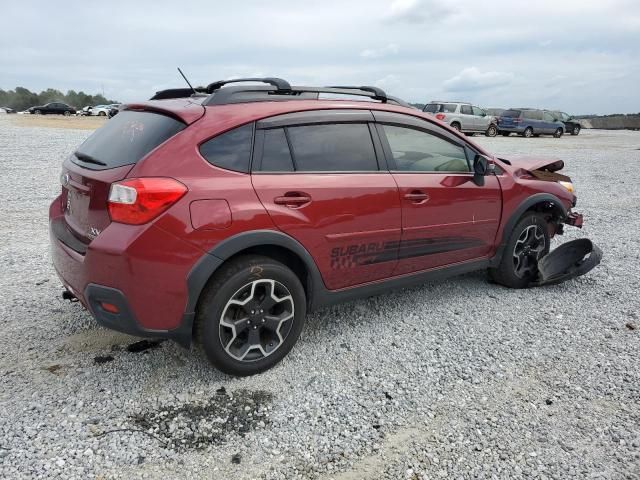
188 83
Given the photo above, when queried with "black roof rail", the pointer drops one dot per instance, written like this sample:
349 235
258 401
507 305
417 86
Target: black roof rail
379 94
276 89
280 84
259 93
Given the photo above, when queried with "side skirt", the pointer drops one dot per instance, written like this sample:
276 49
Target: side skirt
326 297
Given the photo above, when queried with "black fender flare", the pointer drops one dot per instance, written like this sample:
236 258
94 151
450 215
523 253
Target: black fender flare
525 205
200 273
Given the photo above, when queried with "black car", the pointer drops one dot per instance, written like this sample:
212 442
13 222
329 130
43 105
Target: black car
571 125
53 108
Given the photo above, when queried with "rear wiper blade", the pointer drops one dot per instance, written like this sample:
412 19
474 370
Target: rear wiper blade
88 159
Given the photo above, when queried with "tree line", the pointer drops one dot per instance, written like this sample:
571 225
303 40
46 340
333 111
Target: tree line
22 98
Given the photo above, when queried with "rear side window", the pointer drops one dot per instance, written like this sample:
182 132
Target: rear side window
230 150
533 114
511 113
333 147
125 139
276 156
466 110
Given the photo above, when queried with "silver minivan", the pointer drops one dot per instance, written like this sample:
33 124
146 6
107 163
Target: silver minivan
464 117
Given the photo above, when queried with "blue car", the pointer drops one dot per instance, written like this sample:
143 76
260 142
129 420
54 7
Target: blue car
530 122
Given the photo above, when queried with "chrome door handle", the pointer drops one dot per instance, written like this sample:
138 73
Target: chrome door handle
293 199
417 196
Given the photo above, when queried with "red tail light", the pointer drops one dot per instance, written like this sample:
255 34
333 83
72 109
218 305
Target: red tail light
138 200
440 116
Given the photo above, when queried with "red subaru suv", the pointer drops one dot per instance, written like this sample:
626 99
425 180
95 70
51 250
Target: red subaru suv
225 214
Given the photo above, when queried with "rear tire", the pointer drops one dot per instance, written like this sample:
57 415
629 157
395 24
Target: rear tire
455 126
528 132
38 112
528 242
250 315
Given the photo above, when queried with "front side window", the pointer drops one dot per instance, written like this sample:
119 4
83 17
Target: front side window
478 112
466 110
230 150
419 151
332 147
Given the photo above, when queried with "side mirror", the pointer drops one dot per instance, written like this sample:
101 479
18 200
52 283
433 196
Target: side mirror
480 168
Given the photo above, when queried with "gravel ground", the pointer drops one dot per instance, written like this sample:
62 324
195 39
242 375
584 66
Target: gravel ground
459 379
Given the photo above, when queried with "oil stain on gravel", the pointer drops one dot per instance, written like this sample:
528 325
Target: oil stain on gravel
196 425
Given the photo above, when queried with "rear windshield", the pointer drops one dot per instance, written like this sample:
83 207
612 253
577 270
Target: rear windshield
125 139
511 113
439 107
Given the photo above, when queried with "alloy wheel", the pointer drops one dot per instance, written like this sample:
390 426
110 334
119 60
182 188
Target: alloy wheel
256 320
528 250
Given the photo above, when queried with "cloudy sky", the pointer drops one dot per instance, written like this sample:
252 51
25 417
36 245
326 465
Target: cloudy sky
580 56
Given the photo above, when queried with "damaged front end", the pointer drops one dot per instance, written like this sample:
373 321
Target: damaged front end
571 259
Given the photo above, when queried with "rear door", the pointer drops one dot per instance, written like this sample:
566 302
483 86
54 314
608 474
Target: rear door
446 218
550 124
322 178
481 119
467 118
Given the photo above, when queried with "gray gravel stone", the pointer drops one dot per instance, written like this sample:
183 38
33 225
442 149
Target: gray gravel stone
445 380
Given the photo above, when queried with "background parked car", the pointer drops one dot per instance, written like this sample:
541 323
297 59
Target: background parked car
100 110
85 111
7 110
114 109
53 108
571 125
464 117
530 122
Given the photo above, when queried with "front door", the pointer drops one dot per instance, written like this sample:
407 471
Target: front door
446 217
322 184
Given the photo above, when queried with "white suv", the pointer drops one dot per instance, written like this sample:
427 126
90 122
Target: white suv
464 117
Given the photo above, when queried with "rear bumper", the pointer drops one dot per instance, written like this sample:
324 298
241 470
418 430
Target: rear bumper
141 268
124 319
511 128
